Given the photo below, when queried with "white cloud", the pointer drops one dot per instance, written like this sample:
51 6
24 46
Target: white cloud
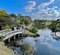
30 41
51 1
43 11
43 5
30 7
55 6
51 46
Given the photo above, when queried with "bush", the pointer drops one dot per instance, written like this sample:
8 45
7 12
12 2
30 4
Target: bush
5 27
34 30
2 37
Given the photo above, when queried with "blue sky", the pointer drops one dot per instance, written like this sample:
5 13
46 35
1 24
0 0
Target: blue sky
37 9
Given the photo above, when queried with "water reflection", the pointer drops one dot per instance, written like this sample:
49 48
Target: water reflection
46 44
56 35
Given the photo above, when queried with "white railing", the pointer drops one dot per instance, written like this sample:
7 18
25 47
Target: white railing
2 32
9 33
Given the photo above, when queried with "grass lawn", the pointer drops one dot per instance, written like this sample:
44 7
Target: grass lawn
28 32
48 22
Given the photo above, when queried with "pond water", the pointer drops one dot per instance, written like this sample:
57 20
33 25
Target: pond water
47 44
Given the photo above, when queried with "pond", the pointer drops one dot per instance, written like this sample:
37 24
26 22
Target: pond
47 44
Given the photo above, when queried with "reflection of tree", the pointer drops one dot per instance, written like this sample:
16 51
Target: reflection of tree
53 34
58 38
26 48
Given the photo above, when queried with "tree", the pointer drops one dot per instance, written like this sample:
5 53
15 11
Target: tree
19 15
13 15
26 48
13 20
4 18
27 20
34 30
3 13
24 19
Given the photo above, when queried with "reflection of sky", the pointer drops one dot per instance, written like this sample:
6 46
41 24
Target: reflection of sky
46 41
58 34
30 41
45 44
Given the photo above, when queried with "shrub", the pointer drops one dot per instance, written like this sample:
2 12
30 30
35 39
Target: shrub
2 37
5 27
34 30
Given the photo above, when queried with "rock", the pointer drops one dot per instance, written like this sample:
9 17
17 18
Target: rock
37 35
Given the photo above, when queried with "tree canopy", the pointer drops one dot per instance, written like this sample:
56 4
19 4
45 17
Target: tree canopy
13 19
13 15
3 13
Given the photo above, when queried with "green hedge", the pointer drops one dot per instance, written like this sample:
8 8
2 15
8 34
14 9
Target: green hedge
34 30
2 37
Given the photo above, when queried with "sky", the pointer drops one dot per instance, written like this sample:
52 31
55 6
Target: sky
36 9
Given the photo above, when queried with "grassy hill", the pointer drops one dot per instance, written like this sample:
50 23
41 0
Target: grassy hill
4 50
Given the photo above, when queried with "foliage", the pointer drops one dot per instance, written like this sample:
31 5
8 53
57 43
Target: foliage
26 23
39 23
24 19
34 30
3 13
6 20
27 20
19 15
55 25
13 20
2 37
13 15
5 27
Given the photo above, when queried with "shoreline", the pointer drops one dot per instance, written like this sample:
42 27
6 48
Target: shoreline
6 50
28 33
9 50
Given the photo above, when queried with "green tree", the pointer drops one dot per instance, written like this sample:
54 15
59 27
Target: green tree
3 13
24 19
34 30
2 37
13 15
27 20
19 15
